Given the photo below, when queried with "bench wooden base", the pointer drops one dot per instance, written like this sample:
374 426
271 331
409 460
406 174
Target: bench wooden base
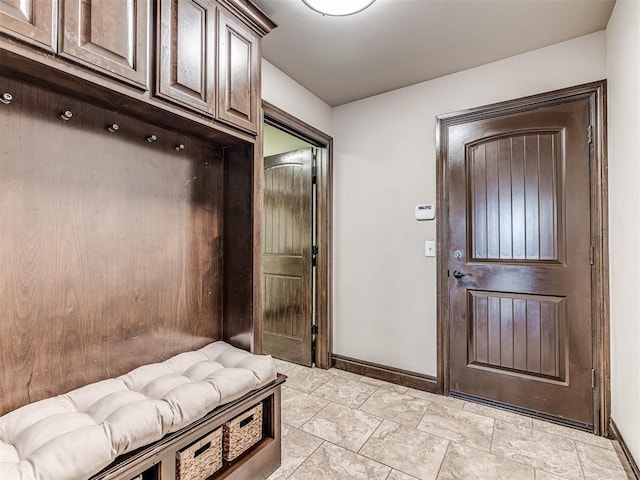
157 461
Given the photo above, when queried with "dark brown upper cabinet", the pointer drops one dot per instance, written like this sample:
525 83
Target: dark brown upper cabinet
109 36
238 73
32 21
197 59
186 59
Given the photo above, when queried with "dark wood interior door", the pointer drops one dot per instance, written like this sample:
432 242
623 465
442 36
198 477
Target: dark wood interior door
519 260
287 256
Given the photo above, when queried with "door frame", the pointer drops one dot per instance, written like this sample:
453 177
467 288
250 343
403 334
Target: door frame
276 117
596 93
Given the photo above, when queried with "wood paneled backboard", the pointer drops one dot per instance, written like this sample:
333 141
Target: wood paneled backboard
110 245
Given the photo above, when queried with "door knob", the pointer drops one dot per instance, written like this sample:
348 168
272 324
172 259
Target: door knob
460 274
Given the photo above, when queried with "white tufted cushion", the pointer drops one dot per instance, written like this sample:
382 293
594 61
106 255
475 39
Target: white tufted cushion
73 436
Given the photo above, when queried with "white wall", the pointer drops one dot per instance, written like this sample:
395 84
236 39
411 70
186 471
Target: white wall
384 165
623 72
285 93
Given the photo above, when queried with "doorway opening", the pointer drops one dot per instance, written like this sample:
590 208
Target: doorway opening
296 246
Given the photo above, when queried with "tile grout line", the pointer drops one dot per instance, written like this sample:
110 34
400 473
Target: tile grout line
370 395
409 428
519 462
500 456
442 461
357 453
422 418
314 416
306 458
381 419
567 437
441 437
299 427
371 434
535 467
493 431
454 441
579 459
379 461
357 407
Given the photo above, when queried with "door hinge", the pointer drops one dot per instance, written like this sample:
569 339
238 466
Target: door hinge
591 254
314 174
314 329
314 255
590 134
593 378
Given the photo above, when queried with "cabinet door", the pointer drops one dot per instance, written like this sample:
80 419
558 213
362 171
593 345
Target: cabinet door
110 36
31 21
186 64
238 73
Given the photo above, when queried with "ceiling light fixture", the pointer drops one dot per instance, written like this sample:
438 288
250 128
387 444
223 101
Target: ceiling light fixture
338 8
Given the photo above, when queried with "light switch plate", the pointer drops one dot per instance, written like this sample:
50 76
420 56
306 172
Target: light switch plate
430 248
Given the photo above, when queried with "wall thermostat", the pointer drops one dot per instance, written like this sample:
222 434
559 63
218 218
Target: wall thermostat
425 212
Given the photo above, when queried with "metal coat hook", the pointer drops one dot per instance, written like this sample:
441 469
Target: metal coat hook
179 147
151 138
114 127
6 98
66 115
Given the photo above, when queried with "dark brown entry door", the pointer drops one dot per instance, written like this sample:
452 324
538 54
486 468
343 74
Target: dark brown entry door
287 256
519 260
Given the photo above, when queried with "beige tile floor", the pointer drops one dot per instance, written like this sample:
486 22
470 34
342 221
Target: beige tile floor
339 426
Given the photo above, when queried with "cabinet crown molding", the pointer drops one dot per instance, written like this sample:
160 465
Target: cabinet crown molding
252 14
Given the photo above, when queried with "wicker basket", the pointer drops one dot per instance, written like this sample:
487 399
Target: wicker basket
201 459
242 432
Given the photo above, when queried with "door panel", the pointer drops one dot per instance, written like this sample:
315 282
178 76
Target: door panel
187 49
110 36
32 20
514 201
287 256
520 291
518 333
238 73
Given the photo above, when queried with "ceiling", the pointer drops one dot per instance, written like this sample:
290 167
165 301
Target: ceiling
395 43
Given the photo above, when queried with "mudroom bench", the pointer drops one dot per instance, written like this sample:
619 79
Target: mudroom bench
211 413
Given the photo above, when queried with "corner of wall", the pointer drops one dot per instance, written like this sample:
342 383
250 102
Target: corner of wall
623 79
281 90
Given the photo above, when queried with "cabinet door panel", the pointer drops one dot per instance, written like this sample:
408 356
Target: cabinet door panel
109 35
30 20
238 73
186 63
